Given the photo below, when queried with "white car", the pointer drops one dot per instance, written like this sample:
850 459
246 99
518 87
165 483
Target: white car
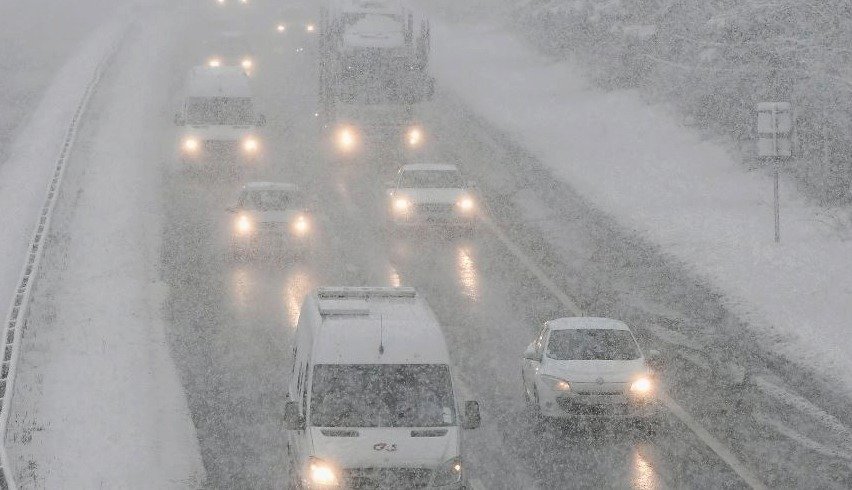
231 48
589 368
269 217
432 194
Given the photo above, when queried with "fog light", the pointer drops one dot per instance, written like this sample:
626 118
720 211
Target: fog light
414 137
214 63
247 64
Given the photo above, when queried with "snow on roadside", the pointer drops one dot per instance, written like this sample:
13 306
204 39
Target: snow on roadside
638 163
98 401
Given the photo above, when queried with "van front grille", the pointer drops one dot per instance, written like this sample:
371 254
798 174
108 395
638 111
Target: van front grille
386 477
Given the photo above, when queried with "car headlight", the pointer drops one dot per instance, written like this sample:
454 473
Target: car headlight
414 137
321 473
244 225
301 226
281 28
401 204
246 64
191 145
556 384
448 473
214 62
250 145
346 139
310 28
466 204
642 386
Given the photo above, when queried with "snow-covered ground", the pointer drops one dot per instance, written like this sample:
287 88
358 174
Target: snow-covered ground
682 192
97 402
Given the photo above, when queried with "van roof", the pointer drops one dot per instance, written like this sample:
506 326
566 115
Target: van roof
377 326
587 322
223 81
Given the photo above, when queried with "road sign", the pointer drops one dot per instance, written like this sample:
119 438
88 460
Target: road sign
774 130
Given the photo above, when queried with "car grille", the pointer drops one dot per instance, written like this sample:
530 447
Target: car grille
386 477
436 208
605 405
217 146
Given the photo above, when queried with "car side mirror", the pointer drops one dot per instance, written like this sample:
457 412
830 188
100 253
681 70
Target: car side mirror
261 120
179 119
472 417
293 420
655 360
530 354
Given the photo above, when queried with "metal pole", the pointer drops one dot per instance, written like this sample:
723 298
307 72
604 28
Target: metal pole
777 204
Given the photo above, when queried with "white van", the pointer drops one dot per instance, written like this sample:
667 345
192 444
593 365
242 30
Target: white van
218 116
371 401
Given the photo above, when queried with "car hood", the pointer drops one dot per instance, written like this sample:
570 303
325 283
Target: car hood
385 447
592 371
219 132
432 196
285 216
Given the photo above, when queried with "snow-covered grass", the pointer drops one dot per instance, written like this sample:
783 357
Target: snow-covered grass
682 192
98 403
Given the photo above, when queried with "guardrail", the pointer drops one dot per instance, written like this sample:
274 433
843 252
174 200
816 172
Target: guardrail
19 311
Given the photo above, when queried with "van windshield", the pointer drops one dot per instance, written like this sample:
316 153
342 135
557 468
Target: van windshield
431 179
231 111
382 395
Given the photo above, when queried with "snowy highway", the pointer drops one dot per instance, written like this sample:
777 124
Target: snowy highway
543 252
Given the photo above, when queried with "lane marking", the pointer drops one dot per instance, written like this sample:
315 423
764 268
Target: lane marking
801 439
708 439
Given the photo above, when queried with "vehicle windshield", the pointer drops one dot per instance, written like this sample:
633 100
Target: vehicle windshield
431 179
382 395
592 345
269 200
219 110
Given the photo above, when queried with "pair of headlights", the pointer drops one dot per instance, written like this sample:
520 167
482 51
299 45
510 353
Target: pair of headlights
192 145
402 205
639 387
300 226
323 474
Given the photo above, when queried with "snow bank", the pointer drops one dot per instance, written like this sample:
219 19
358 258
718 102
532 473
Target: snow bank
98 402
638 163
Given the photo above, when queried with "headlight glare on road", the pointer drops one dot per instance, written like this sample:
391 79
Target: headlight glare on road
466 204
191 145
448 473
250 145
556 384
244 225
321 474
641 386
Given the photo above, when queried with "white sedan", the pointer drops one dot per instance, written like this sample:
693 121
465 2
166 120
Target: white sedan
425 194
269 217
589 368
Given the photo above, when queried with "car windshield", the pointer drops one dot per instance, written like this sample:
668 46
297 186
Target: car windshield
219 110
592 345
269 200
431 179
382 395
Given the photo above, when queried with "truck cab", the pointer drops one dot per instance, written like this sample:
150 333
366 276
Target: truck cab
371 399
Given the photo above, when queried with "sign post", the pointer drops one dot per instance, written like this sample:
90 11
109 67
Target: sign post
774 131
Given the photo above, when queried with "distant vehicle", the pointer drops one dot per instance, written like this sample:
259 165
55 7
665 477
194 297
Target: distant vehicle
425 194
371 402
217 118
589 368
231 48
270 217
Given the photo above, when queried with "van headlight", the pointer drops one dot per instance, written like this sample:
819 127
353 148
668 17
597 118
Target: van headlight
301 226
401 205
448 473
466 204
321 473
414 137
244 225
642 386
250 145
191 145
556 384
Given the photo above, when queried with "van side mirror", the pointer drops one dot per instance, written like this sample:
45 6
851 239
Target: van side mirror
655 360
293 420
531 355
261 120
472 418
179 119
